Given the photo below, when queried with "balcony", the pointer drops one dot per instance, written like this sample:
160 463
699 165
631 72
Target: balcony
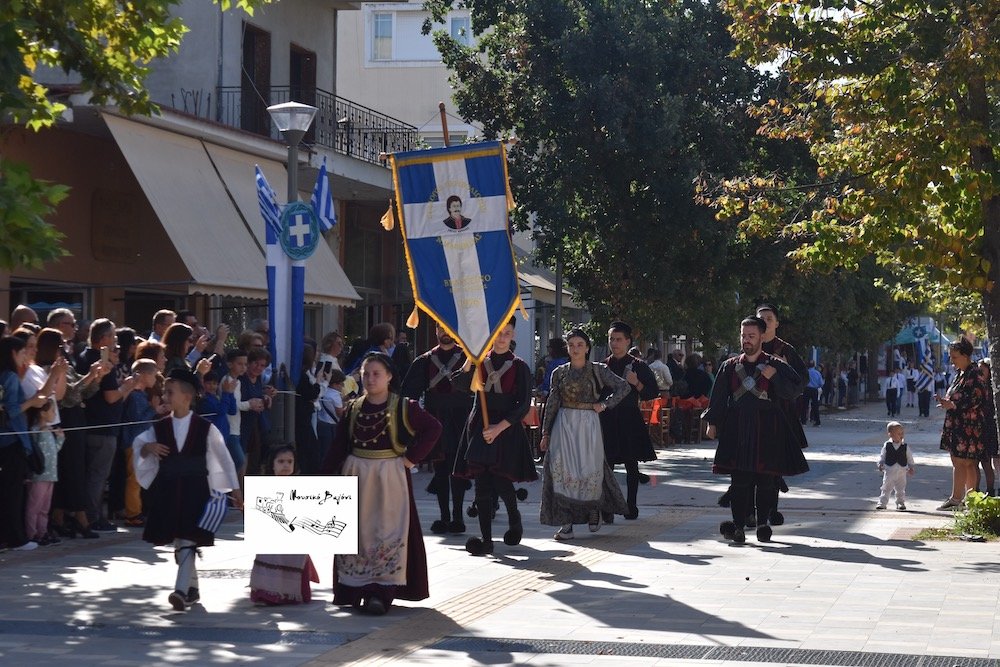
340 125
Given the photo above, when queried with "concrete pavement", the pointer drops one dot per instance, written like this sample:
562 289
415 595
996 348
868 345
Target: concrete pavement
841 584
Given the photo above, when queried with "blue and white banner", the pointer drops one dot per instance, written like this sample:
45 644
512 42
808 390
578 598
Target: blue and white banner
453 206
284 231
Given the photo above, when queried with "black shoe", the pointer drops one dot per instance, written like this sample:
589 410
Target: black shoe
633 513
764 533
374 607
727 529
479 547
643 478
776 518
193 596
608 517
177 600
739 537
439 527
65 530
104 526
456 527
515 532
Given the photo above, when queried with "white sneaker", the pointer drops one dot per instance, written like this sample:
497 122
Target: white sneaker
880 506
27 546
565 533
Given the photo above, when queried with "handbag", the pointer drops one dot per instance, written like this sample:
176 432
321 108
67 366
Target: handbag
36 459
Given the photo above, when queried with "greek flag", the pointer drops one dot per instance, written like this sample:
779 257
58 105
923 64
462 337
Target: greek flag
453 205
285 293
268 201
322 201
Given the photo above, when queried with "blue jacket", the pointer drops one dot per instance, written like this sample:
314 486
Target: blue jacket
15 422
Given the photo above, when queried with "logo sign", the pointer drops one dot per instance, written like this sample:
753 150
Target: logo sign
299 230
301 514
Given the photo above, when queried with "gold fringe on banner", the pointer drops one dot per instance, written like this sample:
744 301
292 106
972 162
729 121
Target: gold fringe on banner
520 306
477 381
414 319
388 219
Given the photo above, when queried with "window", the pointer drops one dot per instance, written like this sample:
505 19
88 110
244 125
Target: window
382 36
461 30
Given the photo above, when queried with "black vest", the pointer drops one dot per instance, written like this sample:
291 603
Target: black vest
894 456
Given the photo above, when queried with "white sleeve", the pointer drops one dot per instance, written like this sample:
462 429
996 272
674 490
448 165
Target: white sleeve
909 458
145 468
221 471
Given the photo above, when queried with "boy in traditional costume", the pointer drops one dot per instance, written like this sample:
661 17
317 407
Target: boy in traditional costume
184 463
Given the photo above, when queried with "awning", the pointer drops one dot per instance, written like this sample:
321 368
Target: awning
541 282
206 200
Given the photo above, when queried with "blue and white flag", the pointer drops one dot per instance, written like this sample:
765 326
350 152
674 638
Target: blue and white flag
322 200
453 205
285 291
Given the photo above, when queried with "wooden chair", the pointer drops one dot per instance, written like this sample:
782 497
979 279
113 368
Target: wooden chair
665 437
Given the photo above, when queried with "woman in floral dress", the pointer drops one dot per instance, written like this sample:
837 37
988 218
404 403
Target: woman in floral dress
380 438
578 484
962 435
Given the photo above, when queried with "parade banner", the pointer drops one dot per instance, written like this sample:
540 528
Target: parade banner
301 514
453 206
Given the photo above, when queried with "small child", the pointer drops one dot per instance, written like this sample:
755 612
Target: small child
217 407
331 409
137 413
39 501
282 578
895 463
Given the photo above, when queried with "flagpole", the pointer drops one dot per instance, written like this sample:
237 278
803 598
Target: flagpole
481 393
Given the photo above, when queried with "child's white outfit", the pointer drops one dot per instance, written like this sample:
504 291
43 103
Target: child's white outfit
897 461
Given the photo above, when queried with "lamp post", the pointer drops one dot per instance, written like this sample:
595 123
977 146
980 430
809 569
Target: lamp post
293 120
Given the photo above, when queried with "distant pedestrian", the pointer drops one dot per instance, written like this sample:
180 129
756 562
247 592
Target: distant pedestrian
895 462
810 407
991 451
895 385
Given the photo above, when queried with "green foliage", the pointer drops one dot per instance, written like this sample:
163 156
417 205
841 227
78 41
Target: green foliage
896 102
110 46
616 107
981 515
24 203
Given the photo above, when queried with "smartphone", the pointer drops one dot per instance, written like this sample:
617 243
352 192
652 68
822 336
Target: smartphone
105 354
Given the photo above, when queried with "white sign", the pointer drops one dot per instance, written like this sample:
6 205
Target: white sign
301 515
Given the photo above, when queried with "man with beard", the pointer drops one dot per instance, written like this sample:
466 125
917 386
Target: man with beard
757 445
626 437
431 376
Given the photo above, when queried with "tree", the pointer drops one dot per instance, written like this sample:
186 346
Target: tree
898 103
616 107
109 45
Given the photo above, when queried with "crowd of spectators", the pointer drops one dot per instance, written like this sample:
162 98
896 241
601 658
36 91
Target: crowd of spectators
78 393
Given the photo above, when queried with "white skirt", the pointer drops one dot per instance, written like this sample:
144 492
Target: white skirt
384 518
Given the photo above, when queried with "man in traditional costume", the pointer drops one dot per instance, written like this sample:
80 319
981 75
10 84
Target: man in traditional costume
431 376
498 455
184 463
626 437
757 444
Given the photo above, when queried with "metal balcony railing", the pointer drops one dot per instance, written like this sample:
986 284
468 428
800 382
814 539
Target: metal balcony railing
340 124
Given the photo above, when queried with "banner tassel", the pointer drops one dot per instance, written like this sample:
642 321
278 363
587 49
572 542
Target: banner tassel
388 219
414 319
520 307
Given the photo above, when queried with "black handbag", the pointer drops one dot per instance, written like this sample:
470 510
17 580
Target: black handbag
36 459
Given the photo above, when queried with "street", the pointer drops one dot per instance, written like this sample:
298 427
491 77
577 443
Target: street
841 584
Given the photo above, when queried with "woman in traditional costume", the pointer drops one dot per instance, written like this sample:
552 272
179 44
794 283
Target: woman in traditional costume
578 483
380 438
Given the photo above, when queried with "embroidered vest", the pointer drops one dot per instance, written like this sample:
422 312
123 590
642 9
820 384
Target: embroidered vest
189 461
400 433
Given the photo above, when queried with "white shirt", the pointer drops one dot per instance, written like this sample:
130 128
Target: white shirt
234 420
664 380
221 471
32 382
330 400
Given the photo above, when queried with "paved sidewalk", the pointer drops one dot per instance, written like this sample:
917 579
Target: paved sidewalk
841 584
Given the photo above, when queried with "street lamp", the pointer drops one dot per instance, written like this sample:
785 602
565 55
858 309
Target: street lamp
292 120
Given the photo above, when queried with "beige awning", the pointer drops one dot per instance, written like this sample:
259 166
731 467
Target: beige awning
541 282
206 199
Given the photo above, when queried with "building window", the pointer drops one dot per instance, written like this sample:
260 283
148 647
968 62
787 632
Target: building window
382 36
461 30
